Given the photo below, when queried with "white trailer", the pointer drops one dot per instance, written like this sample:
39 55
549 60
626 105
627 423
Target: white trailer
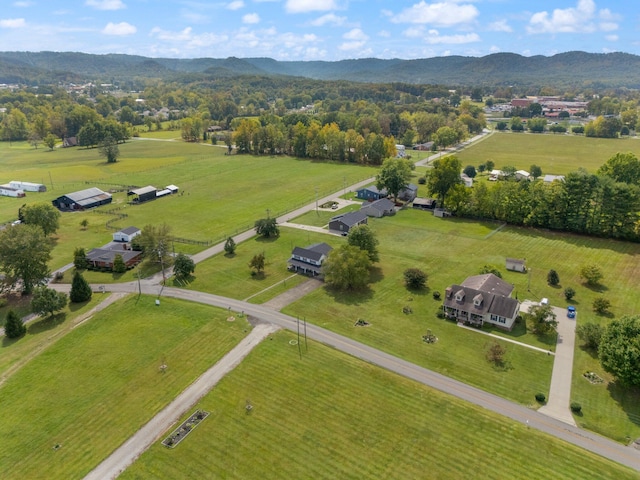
28 186
8 191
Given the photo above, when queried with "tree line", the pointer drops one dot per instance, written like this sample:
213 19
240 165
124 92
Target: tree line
605 204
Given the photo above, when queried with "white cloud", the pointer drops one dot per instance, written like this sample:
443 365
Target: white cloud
612 38
356 39
120 29
302 6
12 23
444 13
355 34
433 37
384 34
235 5
251 18
578 19
500 26
23 4
494 49
193 17
106 4
329 19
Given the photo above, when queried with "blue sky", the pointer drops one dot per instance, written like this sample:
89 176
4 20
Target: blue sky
320 29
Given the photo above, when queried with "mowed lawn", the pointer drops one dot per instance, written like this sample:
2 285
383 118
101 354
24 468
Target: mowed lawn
329 415
555 154
98 385
230 276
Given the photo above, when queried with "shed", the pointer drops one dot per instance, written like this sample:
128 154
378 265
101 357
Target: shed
83 199
144 194
467 180
28 186
342 223
126 234
379 208
553 178
70 142
408 193
516 265
425 203
172 188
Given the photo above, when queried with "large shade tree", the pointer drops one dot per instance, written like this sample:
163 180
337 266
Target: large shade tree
24 253
42 214
394 175
347 268
444 175
619 349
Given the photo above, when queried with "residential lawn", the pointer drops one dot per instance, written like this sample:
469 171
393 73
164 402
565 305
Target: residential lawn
607 408
329 415
41 332
98 385
320 218
230 276
449 250
555 154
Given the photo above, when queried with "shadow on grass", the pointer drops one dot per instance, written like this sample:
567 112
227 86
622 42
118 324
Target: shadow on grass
46 323
592 352
376 275
77 306
261 239
183 282
7 342
628 398
350 297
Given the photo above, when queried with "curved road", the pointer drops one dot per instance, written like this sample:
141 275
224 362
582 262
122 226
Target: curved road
590 441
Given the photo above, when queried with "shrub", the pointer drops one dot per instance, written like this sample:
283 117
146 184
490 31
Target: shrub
569 293
590 334
553 278
118 264
491 269
14 327
540 397
591 274
422 180
436 295
601 305
576 407
415 278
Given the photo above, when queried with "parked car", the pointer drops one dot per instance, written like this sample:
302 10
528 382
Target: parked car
571 311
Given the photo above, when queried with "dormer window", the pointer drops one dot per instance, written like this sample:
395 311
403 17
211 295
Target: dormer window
477 300
460 296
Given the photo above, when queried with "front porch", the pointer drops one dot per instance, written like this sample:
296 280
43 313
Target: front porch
464 317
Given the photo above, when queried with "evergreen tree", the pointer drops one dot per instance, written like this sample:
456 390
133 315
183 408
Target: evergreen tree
553 278
80 289
13 327
230 246
118 264
79 258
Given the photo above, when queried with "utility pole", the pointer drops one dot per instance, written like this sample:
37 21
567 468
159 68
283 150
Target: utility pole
317 212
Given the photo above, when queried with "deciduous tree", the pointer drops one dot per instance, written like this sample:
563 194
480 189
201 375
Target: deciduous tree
394 175
45 215
267 227
543 319
364 238
443 176
619 350
591 274
47 301
257 263
414 278
24 253
183 266
108 148
347 268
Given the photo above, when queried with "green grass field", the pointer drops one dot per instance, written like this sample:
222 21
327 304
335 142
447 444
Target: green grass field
96 386
555 154
329 415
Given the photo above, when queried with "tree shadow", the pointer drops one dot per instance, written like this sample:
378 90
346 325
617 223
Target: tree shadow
261 239
230 255
592 352
628 398
46 323
350 297
258 275
183 282
375 274
597 287
7 342
75 306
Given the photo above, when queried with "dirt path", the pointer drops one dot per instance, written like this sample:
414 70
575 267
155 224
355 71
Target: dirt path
293 294
130 450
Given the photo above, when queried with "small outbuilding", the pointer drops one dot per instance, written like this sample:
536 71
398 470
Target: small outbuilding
425 203
516 265
343 223
553 178
144 194
83 199
408 193
126 234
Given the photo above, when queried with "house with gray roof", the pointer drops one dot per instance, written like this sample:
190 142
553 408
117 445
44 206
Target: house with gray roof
344 222
480 299
308 260
371 193
408 193
379 208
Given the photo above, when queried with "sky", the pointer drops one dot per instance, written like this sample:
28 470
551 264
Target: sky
320 29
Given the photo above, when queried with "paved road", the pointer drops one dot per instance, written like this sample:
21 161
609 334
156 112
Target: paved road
130 450
590 441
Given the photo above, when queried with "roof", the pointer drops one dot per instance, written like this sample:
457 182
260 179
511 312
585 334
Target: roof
171 187
524 173
351 218
374 189
142 190
382 205
489 283
312 252
411 186
108 256
129 230
551 178
491 303
424 201
516 261
88 196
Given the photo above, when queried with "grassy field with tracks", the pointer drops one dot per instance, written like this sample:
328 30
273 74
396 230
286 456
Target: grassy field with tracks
329 415
92 389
